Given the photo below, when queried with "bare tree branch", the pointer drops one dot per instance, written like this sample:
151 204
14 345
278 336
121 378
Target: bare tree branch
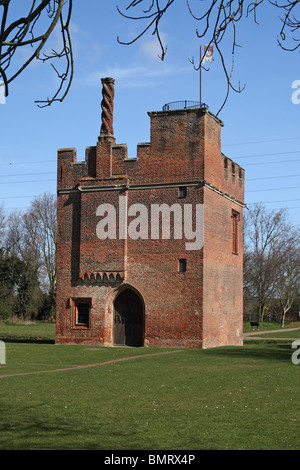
154 13
217 19
22 32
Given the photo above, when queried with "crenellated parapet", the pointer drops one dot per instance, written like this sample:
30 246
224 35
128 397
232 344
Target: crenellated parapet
185 146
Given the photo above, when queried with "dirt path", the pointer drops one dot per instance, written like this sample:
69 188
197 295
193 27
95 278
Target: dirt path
259 334
88 365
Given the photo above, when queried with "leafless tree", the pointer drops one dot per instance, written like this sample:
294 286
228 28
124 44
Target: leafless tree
34 29
262 231
29 252
32 237
42 217
22 254
2 224
271 261
288 274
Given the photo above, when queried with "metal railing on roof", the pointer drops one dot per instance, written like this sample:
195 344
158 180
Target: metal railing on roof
185 104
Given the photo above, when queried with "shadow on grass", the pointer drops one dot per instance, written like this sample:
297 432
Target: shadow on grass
21 339
269 352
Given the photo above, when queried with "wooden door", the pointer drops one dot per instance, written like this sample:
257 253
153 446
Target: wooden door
128 319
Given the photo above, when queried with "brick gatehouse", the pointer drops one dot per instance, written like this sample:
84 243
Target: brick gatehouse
121 280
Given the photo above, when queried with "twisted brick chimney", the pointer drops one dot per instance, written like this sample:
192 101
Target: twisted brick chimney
107 105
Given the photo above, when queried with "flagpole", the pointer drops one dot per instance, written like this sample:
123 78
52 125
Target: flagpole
200 76
208 56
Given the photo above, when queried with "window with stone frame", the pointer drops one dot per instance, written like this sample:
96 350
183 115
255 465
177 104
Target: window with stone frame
82 312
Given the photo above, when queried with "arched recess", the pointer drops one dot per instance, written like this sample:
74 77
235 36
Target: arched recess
128 318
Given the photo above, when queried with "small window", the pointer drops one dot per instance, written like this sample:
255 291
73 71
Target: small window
82 312
182 266
182 191
235 235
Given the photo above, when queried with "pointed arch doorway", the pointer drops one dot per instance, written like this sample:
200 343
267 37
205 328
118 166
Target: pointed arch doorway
128 325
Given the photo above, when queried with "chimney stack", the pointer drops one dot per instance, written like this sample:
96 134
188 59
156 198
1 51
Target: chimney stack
107 106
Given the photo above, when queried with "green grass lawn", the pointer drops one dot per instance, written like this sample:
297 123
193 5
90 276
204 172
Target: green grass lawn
265 326
294 334
27 331
224 398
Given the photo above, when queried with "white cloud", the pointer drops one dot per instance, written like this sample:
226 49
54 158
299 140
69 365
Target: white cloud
151 48
134 76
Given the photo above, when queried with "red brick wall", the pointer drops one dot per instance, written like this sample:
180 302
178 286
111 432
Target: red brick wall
223 274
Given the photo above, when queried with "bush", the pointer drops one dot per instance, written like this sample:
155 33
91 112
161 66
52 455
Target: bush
47 308
5 311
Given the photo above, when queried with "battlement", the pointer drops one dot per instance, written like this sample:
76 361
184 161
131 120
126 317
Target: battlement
185 146
232 169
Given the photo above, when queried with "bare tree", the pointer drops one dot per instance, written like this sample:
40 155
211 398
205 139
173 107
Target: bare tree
31 236
42 217
271 262
262 234
31 239
21 239
288 274
22 255
32 30
2 223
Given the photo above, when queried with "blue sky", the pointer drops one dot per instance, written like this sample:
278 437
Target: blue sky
261 125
